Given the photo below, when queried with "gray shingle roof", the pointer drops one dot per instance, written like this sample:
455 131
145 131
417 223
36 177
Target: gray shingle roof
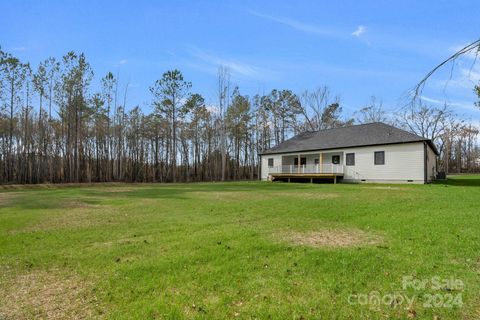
370 134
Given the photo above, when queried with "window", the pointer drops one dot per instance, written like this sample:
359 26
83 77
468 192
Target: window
379 157
336 159
350 159
317 161
303 161
270 162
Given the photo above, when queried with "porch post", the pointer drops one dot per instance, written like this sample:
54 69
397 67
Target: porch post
298 167
320 160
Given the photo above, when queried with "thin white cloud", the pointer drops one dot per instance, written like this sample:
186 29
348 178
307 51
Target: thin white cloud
18 49
359 31
170 53
464 76
123 61
297 25
472 55
468 106
472 74
236 67
431 100
461 104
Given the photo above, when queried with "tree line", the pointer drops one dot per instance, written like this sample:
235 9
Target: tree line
55 128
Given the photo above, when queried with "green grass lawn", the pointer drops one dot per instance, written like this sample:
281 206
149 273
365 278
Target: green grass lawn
241 250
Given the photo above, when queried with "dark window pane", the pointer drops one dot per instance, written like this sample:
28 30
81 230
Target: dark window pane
270 162
379 157
303 161
336 159
350 159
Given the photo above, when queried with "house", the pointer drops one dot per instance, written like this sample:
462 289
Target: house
373 152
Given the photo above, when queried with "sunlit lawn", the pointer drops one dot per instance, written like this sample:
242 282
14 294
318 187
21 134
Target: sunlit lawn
239 250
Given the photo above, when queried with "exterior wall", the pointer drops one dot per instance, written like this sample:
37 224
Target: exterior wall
277 161
431 164
403 162
327 157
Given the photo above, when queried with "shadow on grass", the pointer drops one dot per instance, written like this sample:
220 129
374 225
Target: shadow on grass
461 181
59 197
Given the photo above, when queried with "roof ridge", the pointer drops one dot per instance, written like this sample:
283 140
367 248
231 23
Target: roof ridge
366 124
349 126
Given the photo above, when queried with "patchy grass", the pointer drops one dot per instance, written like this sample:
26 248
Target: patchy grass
41 294
7 197
79 216
307 195
237 250
226 196
333 238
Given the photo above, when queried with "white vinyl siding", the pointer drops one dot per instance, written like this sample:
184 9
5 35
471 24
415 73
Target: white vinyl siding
277 161
403 162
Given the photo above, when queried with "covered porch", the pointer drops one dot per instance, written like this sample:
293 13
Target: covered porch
309 166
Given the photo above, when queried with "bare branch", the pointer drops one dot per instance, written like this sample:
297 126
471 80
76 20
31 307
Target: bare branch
472 47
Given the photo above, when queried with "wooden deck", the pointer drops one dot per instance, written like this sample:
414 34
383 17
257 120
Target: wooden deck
311 176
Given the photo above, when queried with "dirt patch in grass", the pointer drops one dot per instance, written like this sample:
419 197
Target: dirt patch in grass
307 195
471 309
246 195
81 216
67 185
227 195
77 218
333 238
118 189
47 295
7 197
78 204
387 188
124 241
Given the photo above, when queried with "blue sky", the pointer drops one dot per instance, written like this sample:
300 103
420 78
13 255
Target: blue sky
357 48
